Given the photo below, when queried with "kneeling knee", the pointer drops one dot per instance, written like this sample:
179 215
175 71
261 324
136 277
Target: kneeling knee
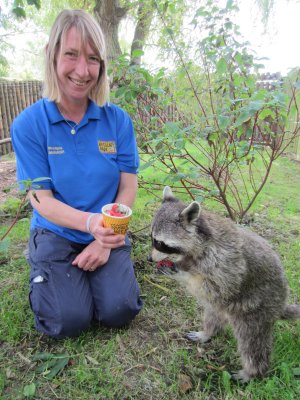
119 315
69 325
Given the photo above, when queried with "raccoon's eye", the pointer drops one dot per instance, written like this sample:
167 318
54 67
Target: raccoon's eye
164 248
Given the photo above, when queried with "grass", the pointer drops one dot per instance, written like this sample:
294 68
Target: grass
151 359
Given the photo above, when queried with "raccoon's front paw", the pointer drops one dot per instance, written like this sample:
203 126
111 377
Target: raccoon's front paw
200 336
241 376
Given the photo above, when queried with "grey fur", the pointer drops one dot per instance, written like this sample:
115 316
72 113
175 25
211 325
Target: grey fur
235 274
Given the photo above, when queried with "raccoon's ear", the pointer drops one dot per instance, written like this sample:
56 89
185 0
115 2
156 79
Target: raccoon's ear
168 194
191 213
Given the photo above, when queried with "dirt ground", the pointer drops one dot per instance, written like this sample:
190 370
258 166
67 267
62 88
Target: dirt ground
7 178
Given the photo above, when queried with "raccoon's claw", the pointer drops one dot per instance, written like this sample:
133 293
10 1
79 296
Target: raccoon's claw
240 376
198 336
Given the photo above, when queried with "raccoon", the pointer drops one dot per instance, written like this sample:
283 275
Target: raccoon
234 272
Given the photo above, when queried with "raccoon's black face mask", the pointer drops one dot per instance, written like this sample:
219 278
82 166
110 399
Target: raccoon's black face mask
165 249
162 247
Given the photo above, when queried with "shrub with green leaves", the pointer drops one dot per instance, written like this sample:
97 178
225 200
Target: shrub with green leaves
217 132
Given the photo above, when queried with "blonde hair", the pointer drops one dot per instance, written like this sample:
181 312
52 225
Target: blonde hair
91 33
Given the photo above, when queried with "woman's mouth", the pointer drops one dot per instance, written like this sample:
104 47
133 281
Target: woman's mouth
78 82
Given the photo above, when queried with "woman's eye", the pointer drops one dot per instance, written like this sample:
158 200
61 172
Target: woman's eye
94 59
70 54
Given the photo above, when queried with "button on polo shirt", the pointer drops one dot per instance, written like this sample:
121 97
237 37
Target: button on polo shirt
84 168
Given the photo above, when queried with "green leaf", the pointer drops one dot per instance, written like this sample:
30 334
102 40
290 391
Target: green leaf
249 133
201 12
224 121
212 137
297 85
42 356
43 178
244 116
229 4
29 390
121 91
19 12
221 66
137 53
4 245
53 365
58 367
146 165
256 105
281 98
44 367
266 113
169 31
36 3
239 59
296 371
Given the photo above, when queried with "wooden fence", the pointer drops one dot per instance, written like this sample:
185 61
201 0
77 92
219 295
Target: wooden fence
17 95
14 97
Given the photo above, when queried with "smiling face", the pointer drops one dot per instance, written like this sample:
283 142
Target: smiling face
77 68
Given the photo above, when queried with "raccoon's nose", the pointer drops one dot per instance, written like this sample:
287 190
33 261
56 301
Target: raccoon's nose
150 259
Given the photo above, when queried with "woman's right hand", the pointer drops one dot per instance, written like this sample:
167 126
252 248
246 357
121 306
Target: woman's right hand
105 236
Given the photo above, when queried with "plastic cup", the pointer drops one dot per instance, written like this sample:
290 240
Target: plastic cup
118 224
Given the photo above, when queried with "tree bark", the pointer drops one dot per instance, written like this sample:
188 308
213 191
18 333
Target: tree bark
109 14
144 17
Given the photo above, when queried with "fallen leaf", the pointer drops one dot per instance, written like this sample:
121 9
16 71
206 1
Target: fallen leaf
120 343
92 360
213 368
53 364
23 358
9 373
29 390
184 383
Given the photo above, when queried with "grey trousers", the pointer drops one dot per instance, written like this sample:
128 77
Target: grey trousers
65 299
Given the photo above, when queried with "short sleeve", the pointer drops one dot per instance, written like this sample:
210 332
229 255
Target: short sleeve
128 158
30 146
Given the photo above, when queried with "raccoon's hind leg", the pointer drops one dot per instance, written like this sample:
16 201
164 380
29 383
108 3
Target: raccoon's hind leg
213 323
255 338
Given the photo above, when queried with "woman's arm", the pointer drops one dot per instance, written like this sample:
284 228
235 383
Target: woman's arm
127 189
62 214
56 211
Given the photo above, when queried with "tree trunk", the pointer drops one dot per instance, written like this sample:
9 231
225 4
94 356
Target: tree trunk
144 18
109 14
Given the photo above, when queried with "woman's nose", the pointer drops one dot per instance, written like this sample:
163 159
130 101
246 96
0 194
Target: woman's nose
82 66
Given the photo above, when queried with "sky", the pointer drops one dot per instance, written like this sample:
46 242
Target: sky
280 43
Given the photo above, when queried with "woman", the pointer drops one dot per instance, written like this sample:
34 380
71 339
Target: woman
80 270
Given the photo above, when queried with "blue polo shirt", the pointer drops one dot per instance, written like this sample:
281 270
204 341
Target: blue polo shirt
85 167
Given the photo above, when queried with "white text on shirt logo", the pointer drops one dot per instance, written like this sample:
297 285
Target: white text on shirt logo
55 150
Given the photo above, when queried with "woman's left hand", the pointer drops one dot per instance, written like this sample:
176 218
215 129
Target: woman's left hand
92 257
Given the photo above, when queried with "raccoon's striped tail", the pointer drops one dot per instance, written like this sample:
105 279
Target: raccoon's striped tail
291 311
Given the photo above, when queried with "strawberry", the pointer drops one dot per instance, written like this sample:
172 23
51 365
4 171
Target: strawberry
115 214
164 263
117 211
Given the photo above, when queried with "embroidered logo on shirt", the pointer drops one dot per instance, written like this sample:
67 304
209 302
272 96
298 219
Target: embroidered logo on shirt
55 150
107 147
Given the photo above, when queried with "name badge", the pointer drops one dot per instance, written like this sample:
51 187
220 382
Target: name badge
107 147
